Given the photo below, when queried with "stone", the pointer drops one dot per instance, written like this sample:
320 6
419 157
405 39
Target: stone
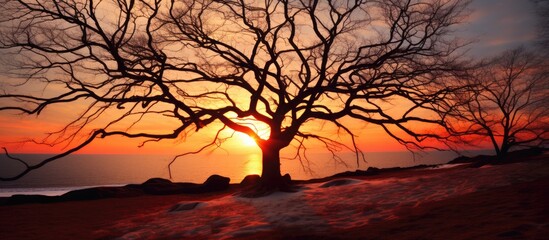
185 206
250 180
153 186
216 183
157 181
25 199
100 193
287 178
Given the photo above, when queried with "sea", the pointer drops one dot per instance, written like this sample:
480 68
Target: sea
89 170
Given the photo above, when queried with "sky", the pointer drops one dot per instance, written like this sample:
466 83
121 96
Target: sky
494 25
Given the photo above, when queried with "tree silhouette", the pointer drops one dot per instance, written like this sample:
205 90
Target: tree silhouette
505 103
234 65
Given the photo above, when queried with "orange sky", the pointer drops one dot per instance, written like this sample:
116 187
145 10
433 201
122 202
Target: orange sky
17 128
495 24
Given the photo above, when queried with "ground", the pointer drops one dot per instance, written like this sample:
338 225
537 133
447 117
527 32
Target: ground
491 202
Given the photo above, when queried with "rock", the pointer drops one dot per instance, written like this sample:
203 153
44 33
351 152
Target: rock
24 199
250 180
376 171
88 194
185 206
156 181
172 188
475 159
370 171
337 182
511 157
287 178
158 186
216 183
254 179
153 186
100 193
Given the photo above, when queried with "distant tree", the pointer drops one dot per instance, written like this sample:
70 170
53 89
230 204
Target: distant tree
505 103
233 65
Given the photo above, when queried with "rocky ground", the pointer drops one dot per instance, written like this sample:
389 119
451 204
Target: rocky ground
508 201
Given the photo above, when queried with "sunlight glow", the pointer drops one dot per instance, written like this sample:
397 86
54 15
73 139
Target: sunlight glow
253 165
245 140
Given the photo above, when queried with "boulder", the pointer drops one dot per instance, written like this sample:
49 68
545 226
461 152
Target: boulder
100 193
88 194
159 186
216 183
475 159
172 188
250 180
153 186
24 199
157 181
369 172
287 178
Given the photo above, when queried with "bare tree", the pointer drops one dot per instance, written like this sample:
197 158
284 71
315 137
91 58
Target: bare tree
505 103
239 65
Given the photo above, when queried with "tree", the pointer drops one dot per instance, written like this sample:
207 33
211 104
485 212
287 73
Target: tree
235 65
505 103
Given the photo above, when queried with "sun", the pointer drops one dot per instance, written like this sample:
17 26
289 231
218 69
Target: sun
245 140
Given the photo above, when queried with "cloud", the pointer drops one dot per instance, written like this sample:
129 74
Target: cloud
499 25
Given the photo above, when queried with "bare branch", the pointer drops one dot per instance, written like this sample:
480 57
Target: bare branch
237 64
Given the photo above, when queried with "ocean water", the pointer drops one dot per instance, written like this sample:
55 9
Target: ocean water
87 170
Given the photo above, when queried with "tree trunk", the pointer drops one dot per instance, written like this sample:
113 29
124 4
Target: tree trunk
271 180
502 154
270 175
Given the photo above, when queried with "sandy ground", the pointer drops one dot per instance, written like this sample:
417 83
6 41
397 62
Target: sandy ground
492 202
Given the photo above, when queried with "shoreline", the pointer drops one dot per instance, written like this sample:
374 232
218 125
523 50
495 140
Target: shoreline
516 209
129 169
121 190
